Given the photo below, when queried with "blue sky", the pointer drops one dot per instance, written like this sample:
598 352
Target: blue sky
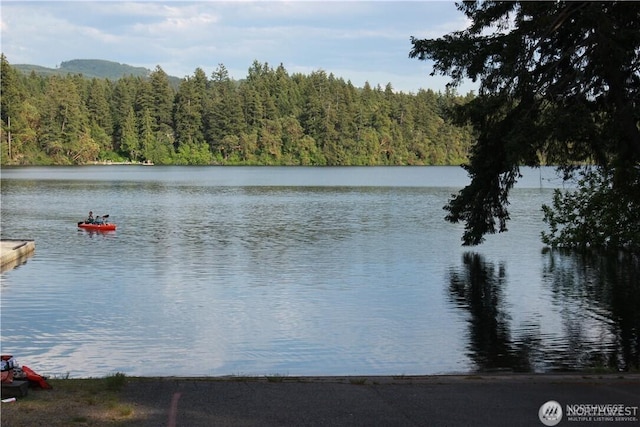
360 41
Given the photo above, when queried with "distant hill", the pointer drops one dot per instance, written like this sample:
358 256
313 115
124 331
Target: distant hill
90 68
28 68
102 68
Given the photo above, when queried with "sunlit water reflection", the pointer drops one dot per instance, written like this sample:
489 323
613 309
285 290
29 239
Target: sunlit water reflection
296 271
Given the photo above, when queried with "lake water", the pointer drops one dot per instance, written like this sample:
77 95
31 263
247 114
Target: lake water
297 271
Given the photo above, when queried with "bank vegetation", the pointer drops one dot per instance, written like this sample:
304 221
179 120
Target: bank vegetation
271 117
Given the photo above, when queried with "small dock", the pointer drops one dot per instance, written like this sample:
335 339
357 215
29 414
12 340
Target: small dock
15 252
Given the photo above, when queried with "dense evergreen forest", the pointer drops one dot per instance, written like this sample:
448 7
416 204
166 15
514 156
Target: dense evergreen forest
268 118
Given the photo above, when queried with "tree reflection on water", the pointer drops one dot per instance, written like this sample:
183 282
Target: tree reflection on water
597 298
593 287
478 287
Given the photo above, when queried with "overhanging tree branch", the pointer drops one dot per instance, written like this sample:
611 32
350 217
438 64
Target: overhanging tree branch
556 78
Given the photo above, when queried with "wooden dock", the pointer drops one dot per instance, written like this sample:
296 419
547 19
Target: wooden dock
15 252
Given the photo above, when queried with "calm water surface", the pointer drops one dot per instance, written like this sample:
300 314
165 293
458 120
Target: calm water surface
296 271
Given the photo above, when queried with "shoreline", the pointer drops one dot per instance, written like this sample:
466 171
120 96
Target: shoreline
111 163
397 379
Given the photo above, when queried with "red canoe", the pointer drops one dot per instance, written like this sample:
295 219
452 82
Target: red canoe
96 227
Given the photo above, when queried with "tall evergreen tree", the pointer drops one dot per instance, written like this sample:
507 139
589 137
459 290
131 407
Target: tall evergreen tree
99 113
225 116
253 110
188 113
10 103
65 133
557 78
122 100
98 104
285 93
163 98
130 143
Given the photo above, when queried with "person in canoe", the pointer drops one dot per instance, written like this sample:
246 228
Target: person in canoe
90 219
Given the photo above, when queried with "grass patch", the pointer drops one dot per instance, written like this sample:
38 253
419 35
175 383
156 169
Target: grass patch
116 381
72 402
124 411
276 378
357 381
402 377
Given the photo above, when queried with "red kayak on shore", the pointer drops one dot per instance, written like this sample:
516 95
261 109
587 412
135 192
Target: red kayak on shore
96 227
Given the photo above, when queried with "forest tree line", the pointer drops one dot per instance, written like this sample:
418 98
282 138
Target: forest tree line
268 118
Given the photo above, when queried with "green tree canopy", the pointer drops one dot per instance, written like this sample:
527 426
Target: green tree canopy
558 81
268 118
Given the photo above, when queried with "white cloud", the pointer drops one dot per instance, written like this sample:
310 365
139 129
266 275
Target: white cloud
355 40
